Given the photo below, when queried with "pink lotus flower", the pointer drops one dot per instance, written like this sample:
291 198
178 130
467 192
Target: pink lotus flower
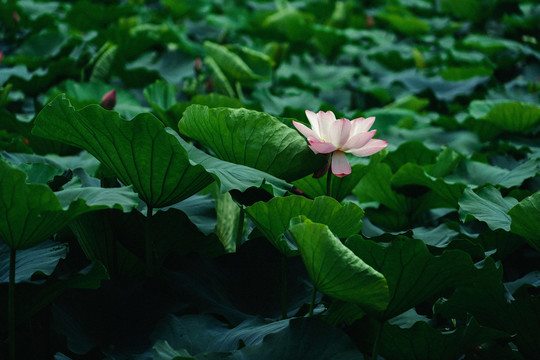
340 136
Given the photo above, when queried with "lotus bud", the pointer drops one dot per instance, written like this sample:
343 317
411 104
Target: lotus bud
108 101
15 16
209 85
197 67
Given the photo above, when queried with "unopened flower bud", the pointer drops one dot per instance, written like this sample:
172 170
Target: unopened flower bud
370 21
209 85
15 16
197 67
108 101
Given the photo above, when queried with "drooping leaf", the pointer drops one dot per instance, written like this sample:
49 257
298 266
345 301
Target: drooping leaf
487 205
42 258
336 271
34 211
231 176
204 333
251 138
140 152
413 274
273 217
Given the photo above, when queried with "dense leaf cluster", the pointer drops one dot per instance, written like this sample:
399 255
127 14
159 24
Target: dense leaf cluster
186 224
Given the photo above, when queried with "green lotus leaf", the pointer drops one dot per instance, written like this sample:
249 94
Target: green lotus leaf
251 138
140 152
335 270
33 212
487 205
525 219
234 176
42 258
376 186
506 115
421 341
491 303
273 217
230 63
413 274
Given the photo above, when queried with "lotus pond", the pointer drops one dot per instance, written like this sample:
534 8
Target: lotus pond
201 179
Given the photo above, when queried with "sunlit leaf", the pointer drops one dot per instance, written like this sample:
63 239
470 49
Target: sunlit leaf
140 152
251 138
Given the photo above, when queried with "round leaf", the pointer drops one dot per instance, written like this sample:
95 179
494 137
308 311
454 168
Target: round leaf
251 138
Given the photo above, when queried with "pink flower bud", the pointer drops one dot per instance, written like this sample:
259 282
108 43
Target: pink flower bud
15 16
209 85
108 101
197 67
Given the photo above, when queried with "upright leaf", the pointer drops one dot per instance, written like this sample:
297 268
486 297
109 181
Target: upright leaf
251 138
140 152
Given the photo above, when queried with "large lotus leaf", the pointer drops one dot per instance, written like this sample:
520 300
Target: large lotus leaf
492 305
444 90
98 235
413 151
478 173
335 270
376 186
526 219
341 187
487 205
140 152
204 333
251 138
33 212
230 63
273 217
506 115
412 174
231 176
309 72
421 341
42 258
81 94
299 338
413 274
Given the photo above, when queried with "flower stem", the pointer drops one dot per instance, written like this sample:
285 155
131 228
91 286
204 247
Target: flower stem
240 229
283 287
329 183
11 304
312 304
376 344
149 242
